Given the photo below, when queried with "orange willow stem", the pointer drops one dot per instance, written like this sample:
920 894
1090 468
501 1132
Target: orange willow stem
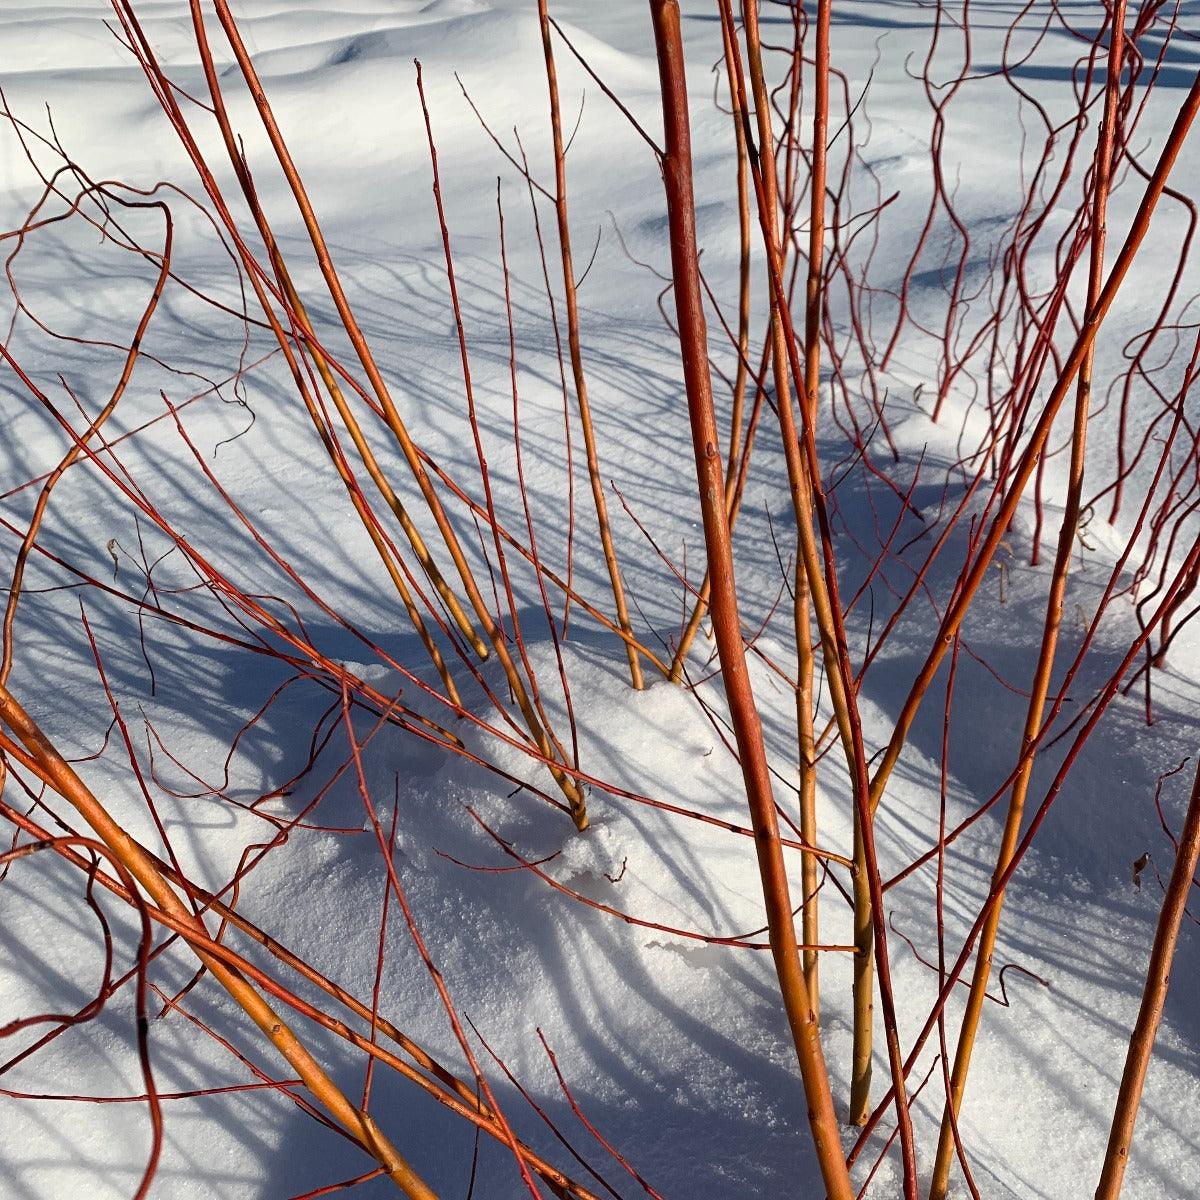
581 392
693 338
814 304
361 445
1158 976
466 1103
60 776
390 561
391 415
1053 620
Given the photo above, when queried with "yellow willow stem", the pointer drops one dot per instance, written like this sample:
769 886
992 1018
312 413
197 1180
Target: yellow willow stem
1154 996
1054 609
573 344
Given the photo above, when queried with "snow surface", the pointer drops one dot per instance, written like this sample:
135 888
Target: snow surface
676 1050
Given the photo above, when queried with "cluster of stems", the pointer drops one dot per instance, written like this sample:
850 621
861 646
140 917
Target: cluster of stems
847 349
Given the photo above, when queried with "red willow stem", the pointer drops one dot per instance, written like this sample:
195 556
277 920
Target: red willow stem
738 454
435 974
693 340
545 1118
869 920
589 1126
74 453
738 941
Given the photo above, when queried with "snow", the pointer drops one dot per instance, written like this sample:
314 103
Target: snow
676 1049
